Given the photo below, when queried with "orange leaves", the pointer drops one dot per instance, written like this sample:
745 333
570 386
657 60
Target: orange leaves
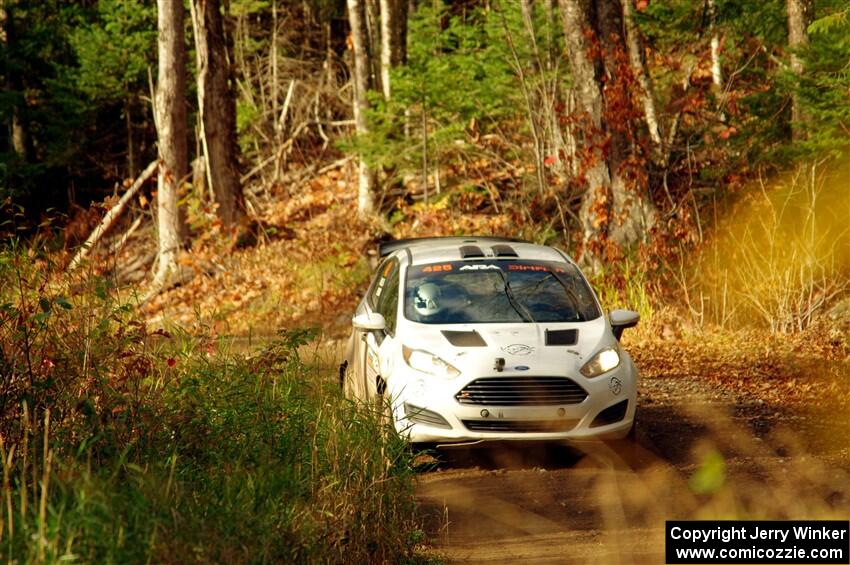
110 201
750 365
728 132
600 209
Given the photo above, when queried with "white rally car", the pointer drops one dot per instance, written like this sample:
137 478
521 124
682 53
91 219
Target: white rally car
485 338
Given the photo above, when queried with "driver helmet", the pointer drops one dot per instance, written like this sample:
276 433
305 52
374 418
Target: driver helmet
426 300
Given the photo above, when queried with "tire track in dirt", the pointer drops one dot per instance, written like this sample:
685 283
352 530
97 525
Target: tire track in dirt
607 503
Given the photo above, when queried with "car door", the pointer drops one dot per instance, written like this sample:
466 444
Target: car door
377 345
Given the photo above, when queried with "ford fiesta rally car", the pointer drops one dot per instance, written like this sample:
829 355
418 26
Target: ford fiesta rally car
485 338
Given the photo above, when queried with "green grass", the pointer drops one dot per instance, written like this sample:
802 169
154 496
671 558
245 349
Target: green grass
121 446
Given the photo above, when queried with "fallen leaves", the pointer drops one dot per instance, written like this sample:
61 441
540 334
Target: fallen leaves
749 365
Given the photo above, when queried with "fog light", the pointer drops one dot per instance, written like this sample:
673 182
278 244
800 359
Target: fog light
561 412
485 413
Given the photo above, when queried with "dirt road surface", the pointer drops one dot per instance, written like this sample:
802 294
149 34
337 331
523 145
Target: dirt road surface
700 453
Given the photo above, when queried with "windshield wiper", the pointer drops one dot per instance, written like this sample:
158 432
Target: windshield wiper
571 293
567 290
520 309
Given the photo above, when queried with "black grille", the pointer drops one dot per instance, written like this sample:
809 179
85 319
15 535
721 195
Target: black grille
521 391
520 426
611 414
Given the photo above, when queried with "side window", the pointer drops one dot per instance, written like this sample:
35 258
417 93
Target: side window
377 289
388 301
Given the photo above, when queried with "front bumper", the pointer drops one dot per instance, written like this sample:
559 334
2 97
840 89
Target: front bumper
431 414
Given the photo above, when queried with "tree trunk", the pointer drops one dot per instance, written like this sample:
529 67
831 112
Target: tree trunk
18 135
595 202
393 40
633 39
171 126
614 208
217 108
366 176
799 12
527 9
716 68
373 42
388 22
632 213
111 216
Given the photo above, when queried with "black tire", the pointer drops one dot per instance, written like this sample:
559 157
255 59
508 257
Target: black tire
343 367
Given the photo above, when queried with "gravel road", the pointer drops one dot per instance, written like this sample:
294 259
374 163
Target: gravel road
700 453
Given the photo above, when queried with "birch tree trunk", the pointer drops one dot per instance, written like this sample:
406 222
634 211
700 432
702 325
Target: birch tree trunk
798 20
171 129
217 109
393 40
716 68
633 40
366 176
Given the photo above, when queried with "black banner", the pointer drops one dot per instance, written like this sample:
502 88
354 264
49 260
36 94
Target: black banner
762 542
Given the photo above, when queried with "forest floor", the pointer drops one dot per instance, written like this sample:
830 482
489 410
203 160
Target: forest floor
731 423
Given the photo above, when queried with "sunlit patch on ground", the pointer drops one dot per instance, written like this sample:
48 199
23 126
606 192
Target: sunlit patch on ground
700 453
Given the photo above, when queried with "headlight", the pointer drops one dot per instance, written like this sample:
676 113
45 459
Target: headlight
428 363
602 362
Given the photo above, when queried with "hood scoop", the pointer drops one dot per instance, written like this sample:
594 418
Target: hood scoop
465 339
561 337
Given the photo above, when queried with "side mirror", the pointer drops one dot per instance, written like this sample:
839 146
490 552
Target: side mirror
622 319
370 321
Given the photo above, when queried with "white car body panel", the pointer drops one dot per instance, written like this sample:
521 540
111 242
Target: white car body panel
386 373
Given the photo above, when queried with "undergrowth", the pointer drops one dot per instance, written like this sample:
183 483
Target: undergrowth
123 445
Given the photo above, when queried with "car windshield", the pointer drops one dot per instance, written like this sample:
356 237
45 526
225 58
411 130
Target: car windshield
499 291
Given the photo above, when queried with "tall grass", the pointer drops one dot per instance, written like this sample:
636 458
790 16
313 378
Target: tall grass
778 260
624 284
124 445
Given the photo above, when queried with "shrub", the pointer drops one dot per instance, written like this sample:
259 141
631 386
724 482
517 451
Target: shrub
123 445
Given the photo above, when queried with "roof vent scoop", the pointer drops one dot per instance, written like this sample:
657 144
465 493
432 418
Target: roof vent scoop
502 250
470 251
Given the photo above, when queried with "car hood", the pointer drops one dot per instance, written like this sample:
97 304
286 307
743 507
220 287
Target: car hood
523 346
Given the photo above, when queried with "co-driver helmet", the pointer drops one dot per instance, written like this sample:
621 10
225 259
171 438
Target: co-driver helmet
427 299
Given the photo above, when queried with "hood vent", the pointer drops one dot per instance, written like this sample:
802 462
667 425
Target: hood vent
465 339
470 251
502 250
561 337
